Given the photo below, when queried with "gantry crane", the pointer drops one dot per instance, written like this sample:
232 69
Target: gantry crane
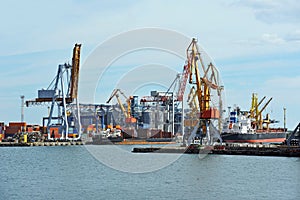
61 93
127 113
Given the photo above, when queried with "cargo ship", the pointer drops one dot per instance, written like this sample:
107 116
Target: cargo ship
250 126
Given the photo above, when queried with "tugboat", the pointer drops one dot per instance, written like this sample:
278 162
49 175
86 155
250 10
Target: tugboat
250 127
108 137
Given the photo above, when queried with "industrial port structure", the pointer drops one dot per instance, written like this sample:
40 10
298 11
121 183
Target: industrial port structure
159 116
61 93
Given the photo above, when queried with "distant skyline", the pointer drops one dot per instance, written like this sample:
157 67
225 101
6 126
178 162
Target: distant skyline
254 44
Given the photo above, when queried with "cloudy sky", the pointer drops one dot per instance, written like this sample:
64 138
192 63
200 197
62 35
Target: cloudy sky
254 44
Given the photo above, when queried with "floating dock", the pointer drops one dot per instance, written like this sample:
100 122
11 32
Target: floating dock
192 149
131 142
228 149
257 150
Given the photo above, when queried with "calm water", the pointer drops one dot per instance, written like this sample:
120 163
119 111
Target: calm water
72 172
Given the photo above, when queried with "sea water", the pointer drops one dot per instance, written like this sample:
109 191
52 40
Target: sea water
102 172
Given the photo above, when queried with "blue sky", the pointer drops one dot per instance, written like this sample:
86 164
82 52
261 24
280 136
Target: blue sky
255 45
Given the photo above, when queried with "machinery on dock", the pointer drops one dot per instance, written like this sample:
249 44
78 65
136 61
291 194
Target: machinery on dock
161 111
205 98
294 137
128 117
61 94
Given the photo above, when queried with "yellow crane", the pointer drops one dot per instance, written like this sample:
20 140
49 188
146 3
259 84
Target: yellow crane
204 84
256 113
205 81
127 113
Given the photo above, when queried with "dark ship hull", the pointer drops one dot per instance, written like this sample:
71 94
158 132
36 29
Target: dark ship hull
265 137
110 140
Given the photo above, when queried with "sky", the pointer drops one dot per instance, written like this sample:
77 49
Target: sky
254 44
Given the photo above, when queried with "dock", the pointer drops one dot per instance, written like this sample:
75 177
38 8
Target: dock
257 150
31 144
228 149
192 149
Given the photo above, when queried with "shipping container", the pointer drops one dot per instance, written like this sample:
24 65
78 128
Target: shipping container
18 124
143 133
54 131
212 113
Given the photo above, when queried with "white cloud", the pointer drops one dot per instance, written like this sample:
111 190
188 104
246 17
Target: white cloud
293 36
272 38
284 84
273 11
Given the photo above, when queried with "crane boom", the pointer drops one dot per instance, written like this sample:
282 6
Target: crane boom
193 57
127 113
264 107
121 105
114 92
185 74
75 71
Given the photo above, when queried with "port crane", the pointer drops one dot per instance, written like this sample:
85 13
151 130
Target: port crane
256 112
116 93
205 80
60 94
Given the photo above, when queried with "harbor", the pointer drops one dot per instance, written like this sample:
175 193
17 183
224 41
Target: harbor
154 100
157 119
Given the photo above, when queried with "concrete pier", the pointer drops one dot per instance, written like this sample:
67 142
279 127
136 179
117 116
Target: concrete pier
54 143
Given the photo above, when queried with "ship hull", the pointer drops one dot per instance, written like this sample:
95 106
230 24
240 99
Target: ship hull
254 138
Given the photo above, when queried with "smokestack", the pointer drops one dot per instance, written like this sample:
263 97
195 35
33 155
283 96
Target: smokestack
284 119
22 108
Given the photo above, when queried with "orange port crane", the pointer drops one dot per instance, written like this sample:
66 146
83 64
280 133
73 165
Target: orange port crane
204 79
204 84
128 117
